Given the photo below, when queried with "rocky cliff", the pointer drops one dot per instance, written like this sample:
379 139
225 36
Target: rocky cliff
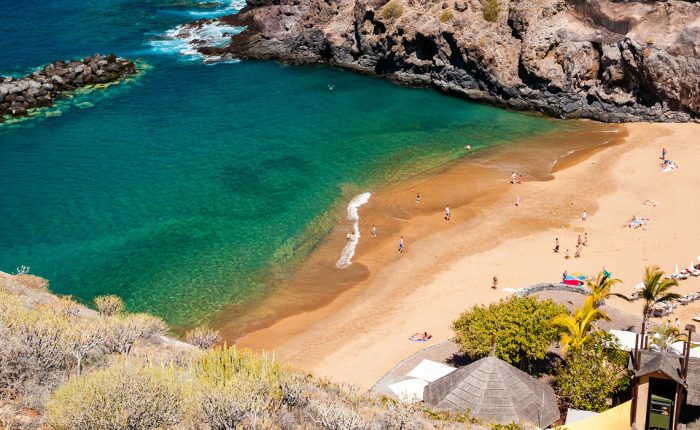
607 60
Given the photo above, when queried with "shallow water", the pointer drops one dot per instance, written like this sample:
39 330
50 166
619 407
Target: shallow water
186 188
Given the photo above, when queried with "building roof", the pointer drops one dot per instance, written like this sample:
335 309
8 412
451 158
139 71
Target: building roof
671 365
494 390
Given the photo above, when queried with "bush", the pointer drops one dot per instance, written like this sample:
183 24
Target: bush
491 10
121 332
119 397
109 306
594 372
34 346
522 326
446 15
203 337
392 10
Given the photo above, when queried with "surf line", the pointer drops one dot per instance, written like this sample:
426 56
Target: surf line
345 259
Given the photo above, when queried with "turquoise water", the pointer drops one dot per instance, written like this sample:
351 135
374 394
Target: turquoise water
186 188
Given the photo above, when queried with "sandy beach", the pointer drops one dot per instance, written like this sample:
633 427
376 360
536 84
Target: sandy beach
448 266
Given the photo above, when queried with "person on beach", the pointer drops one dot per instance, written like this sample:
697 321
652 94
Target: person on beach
374 230
513 177
520 179
663 154
585 239
556 245
348 236
677 323
584 215
579 241
447 213
468 148
564 275
578 252
495 283
401 245
418 198
567 256
517 200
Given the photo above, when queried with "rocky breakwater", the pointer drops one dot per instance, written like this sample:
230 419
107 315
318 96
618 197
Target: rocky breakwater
41 88
610 60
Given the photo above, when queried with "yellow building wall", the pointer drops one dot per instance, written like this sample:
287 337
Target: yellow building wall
617 418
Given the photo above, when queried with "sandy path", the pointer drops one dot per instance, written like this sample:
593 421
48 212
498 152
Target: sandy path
364 332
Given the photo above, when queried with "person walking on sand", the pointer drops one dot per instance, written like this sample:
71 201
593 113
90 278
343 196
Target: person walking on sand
584 215
447 213
556 245
513 177
495 283
578 252
517 200
374 230
418 198
663 154
567 256
401 245
579 241
585 239
677 323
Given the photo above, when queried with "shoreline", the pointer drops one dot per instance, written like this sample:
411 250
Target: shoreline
366 327
484 175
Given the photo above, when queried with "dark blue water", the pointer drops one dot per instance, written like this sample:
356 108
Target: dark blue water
181 189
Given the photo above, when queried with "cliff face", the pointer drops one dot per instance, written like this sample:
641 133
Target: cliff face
611 61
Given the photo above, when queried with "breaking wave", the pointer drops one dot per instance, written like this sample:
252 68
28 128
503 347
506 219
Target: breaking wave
349 250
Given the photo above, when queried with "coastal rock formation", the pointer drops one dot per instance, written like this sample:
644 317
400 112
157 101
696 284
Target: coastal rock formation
40 88
607 60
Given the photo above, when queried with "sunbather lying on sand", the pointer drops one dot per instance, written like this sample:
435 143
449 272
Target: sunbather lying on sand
420 337
637 221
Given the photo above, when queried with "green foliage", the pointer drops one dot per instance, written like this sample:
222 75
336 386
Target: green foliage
601 289
522 326
119 397
446 15
656 290
491 10
392 10
593 372
576 327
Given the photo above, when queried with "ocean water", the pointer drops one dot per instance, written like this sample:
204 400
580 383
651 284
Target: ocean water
196 185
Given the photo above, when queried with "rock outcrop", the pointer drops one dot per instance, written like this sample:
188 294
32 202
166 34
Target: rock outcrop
42 87
607 60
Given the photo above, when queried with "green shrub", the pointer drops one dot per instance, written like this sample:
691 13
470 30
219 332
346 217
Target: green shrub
593 372
446 15
491 10
119 397
522 326
392 10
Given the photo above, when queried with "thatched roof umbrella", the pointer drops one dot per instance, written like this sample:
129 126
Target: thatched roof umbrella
495 391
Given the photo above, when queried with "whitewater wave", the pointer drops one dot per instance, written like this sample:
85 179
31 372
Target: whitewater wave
349 250
184 40
227 8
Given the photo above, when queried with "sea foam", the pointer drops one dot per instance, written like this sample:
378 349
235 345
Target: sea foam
349 250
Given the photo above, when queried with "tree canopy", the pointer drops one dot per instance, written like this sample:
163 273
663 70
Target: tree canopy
522 327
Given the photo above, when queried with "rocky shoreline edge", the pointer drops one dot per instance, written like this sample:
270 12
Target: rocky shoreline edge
41 88
607 61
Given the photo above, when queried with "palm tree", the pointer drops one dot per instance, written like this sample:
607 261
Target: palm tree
601 288
656 290
577 325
